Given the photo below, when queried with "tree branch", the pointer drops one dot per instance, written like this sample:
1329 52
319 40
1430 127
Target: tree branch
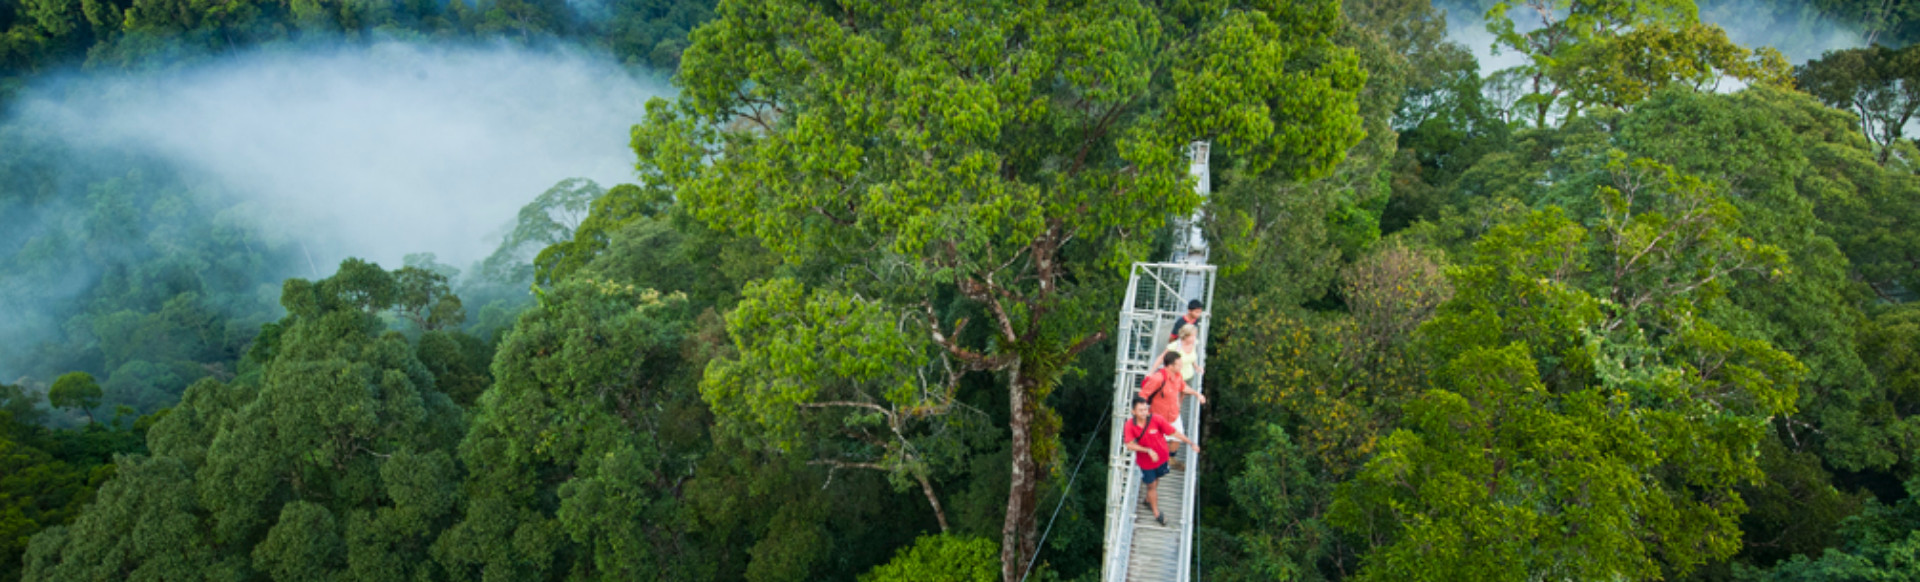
970 359
1084 343
846 404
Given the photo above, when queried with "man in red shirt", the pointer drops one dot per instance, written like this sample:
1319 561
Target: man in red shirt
1147 437
1163 388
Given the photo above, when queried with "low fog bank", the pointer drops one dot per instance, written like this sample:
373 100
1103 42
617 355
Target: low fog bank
1797 31
373 152
211 183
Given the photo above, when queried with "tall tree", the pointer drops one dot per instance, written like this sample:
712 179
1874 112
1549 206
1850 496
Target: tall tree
1879 84
1805 180
1007 155
1881 21
37 489
1616 52
576 453
1588 418
1626 68
330 461
1336 380
1565 27
862 397
545 223
75 390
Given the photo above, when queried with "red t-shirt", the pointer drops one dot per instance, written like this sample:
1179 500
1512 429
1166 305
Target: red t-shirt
1155 438
1169 385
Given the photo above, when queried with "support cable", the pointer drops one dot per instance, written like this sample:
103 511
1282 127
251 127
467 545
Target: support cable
1064 493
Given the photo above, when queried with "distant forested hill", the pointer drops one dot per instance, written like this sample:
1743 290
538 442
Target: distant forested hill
47 35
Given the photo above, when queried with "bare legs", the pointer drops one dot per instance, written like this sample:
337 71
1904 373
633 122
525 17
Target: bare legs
1153 497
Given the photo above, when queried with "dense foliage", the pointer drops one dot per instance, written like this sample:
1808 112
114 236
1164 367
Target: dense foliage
1598 316
48 476
43 35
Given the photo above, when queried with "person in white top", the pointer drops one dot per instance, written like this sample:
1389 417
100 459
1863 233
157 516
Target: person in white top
1189 347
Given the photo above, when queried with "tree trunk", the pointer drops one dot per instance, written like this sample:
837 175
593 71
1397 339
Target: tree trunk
1016 535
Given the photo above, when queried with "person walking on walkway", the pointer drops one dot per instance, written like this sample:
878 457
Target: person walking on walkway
1147 438
1188 345
1195 311
1163 388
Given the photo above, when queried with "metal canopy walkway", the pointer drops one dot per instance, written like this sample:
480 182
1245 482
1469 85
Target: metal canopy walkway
1137 548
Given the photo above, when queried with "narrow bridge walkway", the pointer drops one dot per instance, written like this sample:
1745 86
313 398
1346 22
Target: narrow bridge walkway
1137 548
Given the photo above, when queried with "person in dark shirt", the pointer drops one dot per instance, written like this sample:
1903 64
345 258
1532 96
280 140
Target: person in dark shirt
1147 438
1195 311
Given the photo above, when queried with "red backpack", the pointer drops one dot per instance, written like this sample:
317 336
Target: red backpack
1162 375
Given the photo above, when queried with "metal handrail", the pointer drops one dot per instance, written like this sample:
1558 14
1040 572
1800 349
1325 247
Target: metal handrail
1189 486
1191 506
1120 529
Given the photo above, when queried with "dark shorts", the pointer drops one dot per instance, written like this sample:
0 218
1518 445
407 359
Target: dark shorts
1154 474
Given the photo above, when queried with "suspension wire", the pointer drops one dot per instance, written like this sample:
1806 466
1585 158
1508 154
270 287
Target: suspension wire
1064 493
